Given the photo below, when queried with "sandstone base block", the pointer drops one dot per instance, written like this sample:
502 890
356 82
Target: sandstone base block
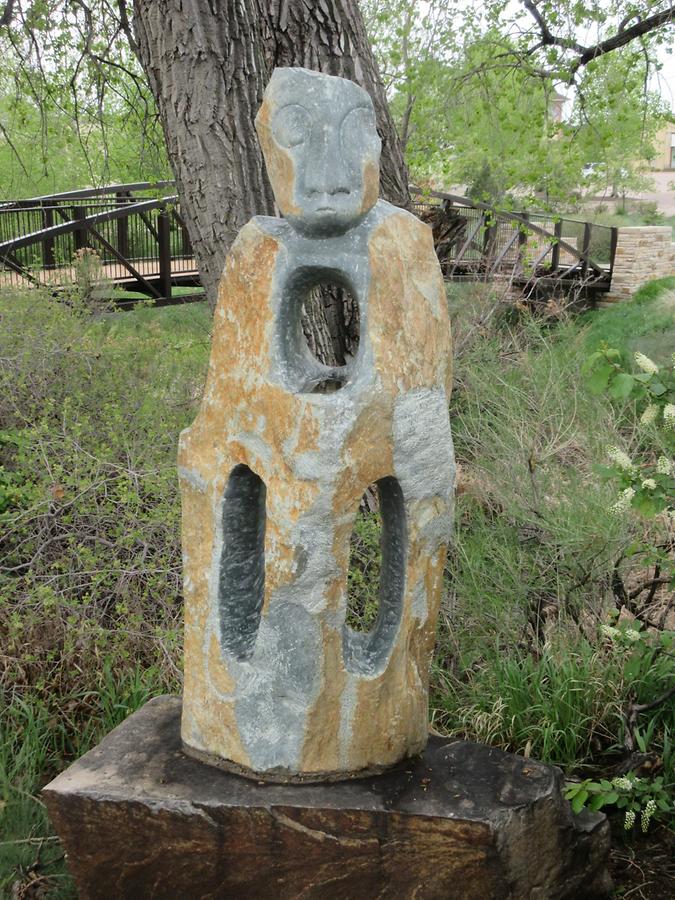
140 819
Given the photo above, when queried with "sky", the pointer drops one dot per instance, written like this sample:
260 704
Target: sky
665 83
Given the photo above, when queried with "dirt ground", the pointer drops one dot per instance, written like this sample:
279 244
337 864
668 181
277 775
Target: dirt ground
642 868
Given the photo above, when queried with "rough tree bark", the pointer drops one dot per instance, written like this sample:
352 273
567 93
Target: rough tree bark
208 64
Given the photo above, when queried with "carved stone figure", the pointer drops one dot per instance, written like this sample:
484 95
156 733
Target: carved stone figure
272 471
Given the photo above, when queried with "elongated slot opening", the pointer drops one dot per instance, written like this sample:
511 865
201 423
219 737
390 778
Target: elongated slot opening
241 583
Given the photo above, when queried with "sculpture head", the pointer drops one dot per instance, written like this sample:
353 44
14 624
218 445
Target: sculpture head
321 148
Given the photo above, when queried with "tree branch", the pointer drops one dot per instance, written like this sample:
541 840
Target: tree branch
621 38
624 35
547 36
126 27
7 13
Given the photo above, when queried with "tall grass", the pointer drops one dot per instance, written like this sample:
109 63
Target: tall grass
90 576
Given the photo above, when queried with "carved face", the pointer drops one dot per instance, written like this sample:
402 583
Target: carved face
321 149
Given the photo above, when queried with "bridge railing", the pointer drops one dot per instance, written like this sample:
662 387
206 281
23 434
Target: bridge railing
474 239
139 242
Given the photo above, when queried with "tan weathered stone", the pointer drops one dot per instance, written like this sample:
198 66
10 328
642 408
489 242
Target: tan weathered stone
643 252
275 682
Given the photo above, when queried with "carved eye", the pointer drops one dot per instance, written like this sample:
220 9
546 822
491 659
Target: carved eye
358 126
291 125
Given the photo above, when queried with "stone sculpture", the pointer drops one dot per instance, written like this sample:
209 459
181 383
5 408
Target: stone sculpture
277 685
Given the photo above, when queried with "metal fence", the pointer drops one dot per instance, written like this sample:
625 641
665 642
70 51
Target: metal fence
473 239
130 240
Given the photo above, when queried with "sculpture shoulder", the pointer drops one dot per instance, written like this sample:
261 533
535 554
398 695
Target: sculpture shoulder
259 237
260 228
400 221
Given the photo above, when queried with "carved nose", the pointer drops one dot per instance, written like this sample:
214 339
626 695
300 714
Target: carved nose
325 172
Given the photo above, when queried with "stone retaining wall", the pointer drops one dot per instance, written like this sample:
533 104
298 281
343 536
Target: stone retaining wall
642 253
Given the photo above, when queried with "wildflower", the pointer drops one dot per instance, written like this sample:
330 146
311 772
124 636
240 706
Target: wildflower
647 813
632 635
623 503
650 415
663 465
620 459
609 632
646 364
629 819
623 783
668 415
649 484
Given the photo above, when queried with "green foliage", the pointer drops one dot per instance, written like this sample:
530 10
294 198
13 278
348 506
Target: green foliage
526 658
36 742
639 797
365 561
91 404
647 323
615 121
479 104
564 705
644 664
90 574
75 109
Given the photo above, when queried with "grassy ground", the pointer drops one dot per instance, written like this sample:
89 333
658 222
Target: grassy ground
633 212
90 585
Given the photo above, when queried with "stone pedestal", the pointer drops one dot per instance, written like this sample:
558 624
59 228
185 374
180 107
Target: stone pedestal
140 819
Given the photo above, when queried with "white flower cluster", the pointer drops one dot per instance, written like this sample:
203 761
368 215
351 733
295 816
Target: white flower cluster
632 635
609 631
664 466
650 415
668 415
649 484
623 503
623 783
620 459
629 819
647 813
646 364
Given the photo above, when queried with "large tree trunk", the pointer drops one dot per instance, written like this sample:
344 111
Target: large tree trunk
208 64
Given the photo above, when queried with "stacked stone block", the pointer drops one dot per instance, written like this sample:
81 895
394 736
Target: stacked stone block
642 253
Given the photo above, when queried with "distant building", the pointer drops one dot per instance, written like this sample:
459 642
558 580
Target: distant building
555 105
664 145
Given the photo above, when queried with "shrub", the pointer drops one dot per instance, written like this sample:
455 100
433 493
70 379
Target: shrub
90 571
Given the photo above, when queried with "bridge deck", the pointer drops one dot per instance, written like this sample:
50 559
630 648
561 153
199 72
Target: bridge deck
116 273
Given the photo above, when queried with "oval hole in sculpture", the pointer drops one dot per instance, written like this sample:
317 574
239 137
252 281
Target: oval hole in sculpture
376 579
329 320
241 582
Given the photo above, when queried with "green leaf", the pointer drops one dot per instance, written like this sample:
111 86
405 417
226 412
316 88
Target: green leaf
579 800
603 471
657 388
621 386
598 380
646 505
